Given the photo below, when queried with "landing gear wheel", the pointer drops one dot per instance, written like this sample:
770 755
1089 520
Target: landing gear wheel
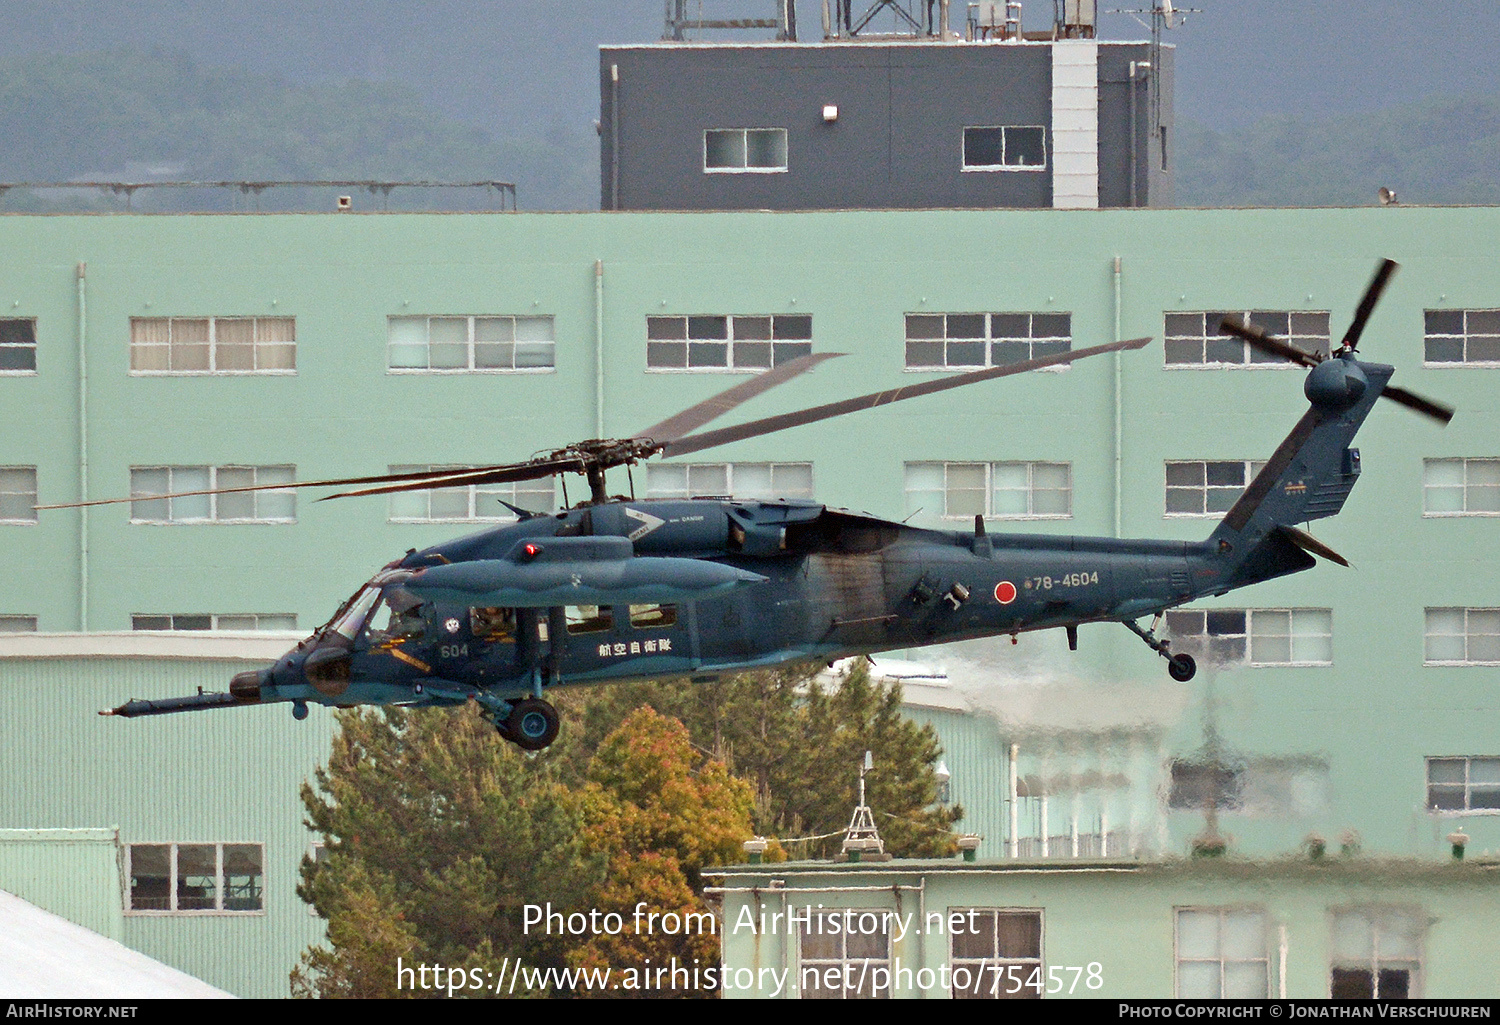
1181 668
531 725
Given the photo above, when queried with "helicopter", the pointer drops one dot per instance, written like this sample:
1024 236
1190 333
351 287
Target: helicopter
619 588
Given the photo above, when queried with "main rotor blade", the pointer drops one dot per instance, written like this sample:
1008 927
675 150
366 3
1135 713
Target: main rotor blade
1413 401
694 417
484 475
1256 336
421 475
1367 304
771 424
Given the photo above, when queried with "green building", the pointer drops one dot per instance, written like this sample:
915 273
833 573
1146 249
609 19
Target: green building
138 352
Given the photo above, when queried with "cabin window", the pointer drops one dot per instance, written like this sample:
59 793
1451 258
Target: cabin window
648 617
588 619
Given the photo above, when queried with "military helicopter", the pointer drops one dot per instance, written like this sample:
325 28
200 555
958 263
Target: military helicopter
622 588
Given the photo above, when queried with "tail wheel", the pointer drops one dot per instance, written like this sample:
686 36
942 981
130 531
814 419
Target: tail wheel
1181 668
532 724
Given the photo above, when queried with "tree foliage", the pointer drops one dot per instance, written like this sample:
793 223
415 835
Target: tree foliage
437 834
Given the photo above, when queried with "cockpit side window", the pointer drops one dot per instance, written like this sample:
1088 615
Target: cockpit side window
397 617
493 624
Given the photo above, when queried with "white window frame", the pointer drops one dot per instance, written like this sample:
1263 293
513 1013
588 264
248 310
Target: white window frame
12 623
1467 787
478 495
1249 658
1382 923
6 347
993 335
472 343
853 968
992 976
655 471
1223 961
218 621
213 500
213 370
1462 338
23 521
1004 165
1428 465
220 881
1249 468
1468 634
781 349
746 167
989 489
1252 359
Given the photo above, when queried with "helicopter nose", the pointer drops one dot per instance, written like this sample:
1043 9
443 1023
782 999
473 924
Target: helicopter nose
245 687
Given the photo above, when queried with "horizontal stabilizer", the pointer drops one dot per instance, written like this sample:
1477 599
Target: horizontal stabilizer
1305 541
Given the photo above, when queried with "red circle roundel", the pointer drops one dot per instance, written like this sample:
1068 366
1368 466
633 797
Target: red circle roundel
1005 592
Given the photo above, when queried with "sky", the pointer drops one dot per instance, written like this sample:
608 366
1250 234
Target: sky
529 68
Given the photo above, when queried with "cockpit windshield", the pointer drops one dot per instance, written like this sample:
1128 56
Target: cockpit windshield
348 625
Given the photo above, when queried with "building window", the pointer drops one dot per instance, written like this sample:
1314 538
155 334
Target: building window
1201 488
843 954
726 343
1463 637
741 150
17 494
17 346
1193 339
1461 487
1004 491
738 480
967 341
10 624
1222 954
1463 785
1256 637
185 878
1283 786
469 502
241 507
1462 336
229 622
1000 958
470 344
1377 953
1005 148
213 345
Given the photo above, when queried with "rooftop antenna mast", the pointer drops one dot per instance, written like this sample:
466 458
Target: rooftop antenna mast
1164 15
862 837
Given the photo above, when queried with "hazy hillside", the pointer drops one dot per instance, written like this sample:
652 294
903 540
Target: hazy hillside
1439 151
141 115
